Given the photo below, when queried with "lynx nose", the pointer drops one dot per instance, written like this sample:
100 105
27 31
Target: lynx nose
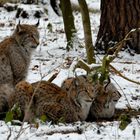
37 43
35 46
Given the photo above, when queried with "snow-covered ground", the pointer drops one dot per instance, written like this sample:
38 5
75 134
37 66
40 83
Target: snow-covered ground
51 57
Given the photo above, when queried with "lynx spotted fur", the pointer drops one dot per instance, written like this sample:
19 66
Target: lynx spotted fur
55 103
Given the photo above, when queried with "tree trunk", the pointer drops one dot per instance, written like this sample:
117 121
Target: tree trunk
87 31
118 17
68 22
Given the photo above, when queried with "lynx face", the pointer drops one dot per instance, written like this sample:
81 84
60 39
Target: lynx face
27 36
82 91
15 53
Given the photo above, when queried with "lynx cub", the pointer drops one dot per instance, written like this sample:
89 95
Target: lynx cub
15 53
104 104
52 101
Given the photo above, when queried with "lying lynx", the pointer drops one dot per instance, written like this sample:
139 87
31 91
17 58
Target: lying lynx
52 101
15 53
22 96
104 104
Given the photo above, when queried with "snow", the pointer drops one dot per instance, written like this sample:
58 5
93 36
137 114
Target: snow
51 57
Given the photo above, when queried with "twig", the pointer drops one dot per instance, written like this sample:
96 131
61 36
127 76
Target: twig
10 133
119 45
28 108
87 68
123 94
126 78
130 108
52 77
30 103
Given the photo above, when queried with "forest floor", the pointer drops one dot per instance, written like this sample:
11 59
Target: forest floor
51 57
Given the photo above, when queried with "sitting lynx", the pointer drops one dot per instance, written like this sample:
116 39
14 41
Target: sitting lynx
5 91
52 101
104 104
15 53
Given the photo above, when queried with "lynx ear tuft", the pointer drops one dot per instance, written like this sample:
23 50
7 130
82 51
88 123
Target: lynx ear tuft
37 23
18 28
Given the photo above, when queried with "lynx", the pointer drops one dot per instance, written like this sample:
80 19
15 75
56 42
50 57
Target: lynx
104 104
55 103
15 53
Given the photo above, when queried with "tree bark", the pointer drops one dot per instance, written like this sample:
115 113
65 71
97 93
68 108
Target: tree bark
68 22
118 17
87 31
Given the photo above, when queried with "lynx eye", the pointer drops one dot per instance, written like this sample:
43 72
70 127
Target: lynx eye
88 94
33 36
35 39
115 100
89 100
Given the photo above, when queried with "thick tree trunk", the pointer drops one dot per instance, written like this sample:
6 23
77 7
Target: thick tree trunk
68 22
87 31
118 17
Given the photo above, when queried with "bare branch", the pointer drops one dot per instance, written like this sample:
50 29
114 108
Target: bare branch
120 45
126 78
62 131
52 77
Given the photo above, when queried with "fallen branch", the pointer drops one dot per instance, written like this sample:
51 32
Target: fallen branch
86 67
126 78
89 69
62 131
